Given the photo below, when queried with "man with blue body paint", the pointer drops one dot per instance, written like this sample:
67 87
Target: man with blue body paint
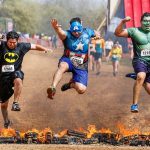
75 56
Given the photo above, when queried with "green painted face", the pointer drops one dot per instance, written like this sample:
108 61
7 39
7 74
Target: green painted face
146 24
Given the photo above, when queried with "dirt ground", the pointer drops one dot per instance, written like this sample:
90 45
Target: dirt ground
68 147
106 102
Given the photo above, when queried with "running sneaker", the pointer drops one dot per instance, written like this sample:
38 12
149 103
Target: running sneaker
51 92
131 75
15 106
7 124
66 86
98 73
134 108
114 74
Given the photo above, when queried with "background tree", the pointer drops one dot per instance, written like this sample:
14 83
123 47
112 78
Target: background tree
33 16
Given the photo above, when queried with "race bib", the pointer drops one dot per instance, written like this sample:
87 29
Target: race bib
76 60
8 68
145 52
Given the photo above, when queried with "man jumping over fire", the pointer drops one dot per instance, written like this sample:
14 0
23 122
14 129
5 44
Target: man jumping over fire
11 57
141 61
75 57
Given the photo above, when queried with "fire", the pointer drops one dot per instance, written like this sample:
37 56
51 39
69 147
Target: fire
7 132
42 134
91 129
103 130
127 132
62 133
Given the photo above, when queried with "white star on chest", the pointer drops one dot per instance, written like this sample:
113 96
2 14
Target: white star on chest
79 46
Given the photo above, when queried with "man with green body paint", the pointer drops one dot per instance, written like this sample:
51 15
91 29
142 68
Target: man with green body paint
141 61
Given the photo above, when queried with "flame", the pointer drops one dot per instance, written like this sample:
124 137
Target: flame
91 129
8 132
127 132
62 133
42 134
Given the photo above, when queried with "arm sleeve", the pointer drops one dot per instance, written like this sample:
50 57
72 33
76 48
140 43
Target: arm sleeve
25 47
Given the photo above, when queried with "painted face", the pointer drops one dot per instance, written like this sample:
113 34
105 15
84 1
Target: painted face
12 43
146 24
76 34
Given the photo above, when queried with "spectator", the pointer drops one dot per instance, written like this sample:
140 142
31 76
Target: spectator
108 46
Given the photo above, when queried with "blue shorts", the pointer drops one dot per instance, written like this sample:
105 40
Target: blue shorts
115 58
79 75
97 56
140 66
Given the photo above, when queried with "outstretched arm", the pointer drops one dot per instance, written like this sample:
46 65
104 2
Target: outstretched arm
61 33
40 48
120 31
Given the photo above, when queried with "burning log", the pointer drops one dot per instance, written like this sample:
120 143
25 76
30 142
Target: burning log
18 137
110 138
91 141
73 137
76 133
75 140
6 140
60 140
31 137
48 138
136 140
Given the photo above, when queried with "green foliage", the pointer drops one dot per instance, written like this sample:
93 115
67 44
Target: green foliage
34 17
23 14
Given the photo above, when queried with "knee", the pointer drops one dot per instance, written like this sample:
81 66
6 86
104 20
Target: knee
81 90
140 78
4 105
63 67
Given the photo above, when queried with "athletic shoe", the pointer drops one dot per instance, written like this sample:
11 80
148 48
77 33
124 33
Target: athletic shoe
7 124
134 108
15 106
131 75
66 86
98 73
51 92
114 74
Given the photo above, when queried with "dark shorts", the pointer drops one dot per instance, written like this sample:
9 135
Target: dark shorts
107 51
79 75
7 84
140 66
97 56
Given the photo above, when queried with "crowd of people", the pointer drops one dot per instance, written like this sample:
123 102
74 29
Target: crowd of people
108 50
